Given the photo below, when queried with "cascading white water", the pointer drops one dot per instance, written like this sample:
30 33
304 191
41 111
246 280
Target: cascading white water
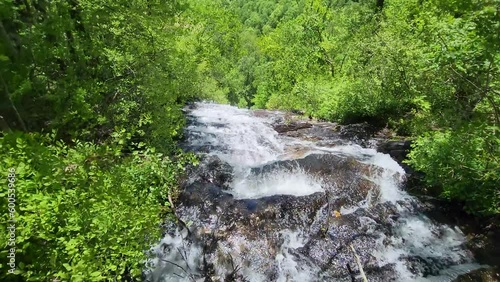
245 141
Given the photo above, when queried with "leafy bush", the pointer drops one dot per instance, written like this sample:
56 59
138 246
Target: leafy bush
465 163
83 212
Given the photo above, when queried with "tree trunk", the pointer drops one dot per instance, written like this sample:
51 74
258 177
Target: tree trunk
8 110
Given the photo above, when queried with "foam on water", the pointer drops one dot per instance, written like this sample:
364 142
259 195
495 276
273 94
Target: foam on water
174 260
417 236
289 268
390 177
277 183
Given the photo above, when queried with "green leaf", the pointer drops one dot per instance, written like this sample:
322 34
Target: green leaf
67 266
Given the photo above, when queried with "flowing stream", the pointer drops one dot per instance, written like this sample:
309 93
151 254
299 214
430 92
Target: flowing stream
268 207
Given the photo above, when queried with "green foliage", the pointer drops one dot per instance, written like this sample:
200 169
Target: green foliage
84 67
83 212
108 79
465 163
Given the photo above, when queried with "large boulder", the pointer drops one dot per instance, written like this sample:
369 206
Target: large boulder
398 150
480 275
211 170
292 126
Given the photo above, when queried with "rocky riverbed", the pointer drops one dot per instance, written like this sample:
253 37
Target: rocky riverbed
279 198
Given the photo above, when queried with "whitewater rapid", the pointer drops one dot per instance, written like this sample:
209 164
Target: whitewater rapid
407 246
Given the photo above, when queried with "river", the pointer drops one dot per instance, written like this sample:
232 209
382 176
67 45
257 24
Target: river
264 206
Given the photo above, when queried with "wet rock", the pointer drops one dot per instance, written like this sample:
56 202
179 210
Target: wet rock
380 217
323 131
423 266
206 195
212 170
328 134
398 150
279 211
357 131
483 233
480 275
293 126
382 273
485 246
344 177
387 146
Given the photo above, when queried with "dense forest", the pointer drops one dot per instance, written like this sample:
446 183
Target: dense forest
92 95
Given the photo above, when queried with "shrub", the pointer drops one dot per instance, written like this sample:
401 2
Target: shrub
83 212
465 163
